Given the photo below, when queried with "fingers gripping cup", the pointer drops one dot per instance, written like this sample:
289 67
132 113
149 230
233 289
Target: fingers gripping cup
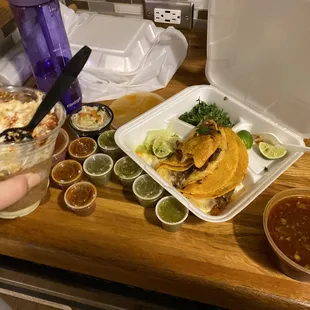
17 106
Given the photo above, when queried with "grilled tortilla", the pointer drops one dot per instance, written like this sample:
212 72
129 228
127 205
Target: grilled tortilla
174 162
201 148
211 186
211 164
212 206
214 202
187 170
223 172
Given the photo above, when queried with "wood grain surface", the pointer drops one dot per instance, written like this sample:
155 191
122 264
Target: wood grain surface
226 264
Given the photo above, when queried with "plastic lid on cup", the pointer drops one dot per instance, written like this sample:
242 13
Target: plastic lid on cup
98 165
27 3
144 187
125 168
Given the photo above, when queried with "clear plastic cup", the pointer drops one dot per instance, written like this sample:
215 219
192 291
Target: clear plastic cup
107 145
171 226
126 170
81 198
61 147
147 191
32 156
98 168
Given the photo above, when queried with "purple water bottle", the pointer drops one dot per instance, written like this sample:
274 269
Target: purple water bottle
46 43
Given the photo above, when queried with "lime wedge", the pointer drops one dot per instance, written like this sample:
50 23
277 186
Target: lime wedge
246 138
162 148
271 151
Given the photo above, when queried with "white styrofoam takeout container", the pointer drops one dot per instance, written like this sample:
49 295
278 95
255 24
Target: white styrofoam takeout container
126 43
261 65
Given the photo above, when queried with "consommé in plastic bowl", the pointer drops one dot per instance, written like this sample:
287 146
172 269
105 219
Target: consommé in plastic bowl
287 265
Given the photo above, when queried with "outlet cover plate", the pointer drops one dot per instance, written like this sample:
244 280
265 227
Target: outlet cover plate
186 8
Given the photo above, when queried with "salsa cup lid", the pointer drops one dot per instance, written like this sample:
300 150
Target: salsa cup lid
168 223
94 132
88 193
69 166
94 157
140 179
88 148
120 161
294 192
109 148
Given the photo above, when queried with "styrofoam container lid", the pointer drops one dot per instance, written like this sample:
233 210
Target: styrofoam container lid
118 43
258 52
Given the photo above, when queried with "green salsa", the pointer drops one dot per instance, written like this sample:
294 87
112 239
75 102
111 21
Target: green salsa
106 139
147 188
171 210
127 168
99 165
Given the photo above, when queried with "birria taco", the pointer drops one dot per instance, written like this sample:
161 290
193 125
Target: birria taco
207 168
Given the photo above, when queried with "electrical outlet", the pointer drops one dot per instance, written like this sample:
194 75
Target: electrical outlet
167 16
176 13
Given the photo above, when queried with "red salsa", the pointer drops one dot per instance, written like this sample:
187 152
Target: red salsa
289 227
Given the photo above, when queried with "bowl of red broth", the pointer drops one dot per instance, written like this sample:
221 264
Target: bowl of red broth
287 227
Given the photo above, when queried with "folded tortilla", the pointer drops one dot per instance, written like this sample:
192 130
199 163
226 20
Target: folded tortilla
200 148
210 166
222 173
174 163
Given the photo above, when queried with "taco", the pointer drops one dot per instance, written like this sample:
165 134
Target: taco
222 173
211 186
215 198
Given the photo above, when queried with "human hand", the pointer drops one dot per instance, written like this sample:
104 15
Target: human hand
15 188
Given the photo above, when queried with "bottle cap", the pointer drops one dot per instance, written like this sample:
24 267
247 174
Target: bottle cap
26 3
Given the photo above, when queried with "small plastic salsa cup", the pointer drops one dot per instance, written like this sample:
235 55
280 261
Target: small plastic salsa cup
81 198
66 173
82 148
108 145
171 213
61 147
98 168
126 170
147 191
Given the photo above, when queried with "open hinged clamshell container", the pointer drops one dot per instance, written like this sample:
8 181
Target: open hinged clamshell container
258 58
126 43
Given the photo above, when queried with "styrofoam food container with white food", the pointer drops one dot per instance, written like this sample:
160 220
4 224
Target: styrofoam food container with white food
259 72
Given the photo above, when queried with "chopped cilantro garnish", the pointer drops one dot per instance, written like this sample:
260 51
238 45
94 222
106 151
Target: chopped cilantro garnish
203 130
204 111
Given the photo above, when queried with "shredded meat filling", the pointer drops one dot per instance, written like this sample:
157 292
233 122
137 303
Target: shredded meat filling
221 203
180 177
